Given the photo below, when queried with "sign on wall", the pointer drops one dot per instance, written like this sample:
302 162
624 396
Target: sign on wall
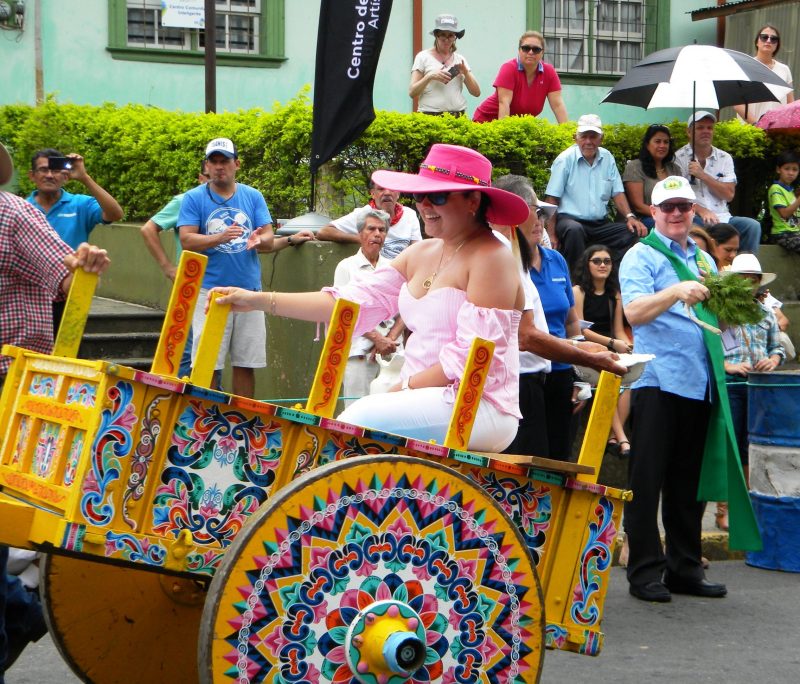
183 13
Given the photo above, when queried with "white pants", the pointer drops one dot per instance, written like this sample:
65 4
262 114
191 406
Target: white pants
245 336
425 414
358 374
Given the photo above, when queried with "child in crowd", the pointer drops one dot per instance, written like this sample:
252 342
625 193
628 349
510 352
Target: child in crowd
784 204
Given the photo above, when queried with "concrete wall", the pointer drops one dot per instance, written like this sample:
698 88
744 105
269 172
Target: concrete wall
292 352
77 67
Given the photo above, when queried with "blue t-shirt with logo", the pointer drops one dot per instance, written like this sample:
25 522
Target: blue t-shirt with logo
229 264
73 217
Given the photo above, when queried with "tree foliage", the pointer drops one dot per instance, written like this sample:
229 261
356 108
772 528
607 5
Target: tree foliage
144 155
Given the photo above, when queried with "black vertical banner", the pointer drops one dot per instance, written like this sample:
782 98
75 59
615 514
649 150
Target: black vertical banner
349 43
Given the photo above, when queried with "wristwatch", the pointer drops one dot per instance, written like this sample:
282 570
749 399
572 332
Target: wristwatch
630 214
405 384
289 240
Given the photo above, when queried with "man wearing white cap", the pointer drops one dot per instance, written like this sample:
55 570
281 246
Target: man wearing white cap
229 222
670 405
583 178
714 181
36 267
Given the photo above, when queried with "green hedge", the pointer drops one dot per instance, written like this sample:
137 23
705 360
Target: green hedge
144 155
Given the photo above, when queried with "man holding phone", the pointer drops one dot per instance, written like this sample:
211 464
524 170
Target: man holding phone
72 216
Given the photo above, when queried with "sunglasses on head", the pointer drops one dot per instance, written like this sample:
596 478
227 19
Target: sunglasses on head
600 261
437 199
535 49
767 38
669 207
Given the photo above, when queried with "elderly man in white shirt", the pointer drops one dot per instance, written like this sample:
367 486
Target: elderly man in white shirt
403 223
372 226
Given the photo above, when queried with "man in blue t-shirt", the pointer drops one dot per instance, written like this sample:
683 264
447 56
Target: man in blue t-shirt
229 222
73 217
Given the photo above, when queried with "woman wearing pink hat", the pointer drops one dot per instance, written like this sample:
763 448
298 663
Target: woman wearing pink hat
461 284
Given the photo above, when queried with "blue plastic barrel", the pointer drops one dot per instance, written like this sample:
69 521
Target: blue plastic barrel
773 408
774 430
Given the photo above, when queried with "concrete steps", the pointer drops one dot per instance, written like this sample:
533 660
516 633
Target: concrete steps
124 333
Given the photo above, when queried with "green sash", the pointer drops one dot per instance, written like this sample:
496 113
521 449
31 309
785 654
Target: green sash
721 476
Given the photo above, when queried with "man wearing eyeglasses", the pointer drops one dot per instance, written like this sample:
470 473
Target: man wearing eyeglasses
713 178
670 402
72 216
583 178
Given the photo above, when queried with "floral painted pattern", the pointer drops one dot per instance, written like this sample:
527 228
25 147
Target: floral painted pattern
528 505
111 446
220 467
595 559
396 541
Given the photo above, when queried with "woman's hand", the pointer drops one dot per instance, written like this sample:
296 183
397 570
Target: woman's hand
239 299
622 347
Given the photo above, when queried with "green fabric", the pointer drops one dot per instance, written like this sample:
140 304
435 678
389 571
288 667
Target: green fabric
721 476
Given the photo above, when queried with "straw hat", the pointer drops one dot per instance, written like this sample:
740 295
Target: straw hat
748 264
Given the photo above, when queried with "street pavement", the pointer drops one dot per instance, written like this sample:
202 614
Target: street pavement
750 636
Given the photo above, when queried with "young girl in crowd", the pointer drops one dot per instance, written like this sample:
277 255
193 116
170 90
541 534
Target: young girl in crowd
784 204
597 299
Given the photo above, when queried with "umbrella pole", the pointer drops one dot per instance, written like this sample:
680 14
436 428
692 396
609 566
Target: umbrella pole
693 180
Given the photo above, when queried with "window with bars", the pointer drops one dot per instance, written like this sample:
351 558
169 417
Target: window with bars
237 27
604 37
249 30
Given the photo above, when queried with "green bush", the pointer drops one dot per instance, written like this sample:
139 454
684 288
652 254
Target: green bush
144 155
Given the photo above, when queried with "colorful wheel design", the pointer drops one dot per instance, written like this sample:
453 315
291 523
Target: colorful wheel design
360 570
121 625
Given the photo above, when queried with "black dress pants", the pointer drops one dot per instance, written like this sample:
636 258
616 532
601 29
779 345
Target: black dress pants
667 443
575 235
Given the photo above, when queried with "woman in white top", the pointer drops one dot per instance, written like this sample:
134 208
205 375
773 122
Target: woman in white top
439 74
768 42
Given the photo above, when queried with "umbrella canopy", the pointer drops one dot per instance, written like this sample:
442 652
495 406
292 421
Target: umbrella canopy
697 76
783 118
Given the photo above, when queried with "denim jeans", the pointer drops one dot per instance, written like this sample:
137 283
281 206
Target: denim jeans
21 618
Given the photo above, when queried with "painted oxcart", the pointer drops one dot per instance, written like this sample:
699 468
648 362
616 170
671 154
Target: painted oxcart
195 535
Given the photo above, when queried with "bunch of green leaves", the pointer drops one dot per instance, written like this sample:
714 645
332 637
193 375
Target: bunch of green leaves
731 298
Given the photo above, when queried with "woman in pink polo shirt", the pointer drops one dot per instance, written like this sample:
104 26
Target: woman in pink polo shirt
523 83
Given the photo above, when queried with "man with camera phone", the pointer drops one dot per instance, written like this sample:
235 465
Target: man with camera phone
73 217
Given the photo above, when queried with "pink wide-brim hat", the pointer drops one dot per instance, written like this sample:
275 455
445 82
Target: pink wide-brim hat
450 168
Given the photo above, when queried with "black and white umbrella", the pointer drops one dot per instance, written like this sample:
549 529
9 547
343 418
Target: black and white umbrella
697 76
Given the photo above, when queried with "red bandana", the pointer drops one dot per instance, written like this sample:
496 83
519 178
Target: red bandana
398 211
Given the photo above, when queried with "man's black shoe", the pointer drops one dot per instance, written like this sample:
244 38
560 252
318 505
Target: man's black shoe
652 591
700 587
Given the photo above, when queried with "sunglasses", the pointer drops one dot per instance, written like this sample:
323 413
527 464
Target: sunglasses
437 199
535 49
669 207
600 261
767 38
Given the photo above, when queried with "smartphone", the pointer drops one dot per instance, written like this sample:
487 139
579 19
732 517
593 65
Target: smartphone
454 71
59 163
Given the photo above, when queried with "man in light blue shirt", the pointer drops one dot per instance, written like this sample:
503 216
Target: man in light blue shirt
583 179
670 402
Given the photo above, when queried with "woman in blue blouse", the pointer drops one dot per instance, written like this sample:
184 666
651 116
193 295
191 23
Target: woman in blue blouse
550 273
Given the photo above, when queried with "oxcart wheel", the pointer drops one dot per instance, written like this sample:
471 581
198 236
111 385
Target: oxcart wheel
114 624
375 569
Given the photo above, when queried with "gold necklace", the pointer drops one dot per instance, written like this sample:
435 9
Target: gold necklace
428 282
